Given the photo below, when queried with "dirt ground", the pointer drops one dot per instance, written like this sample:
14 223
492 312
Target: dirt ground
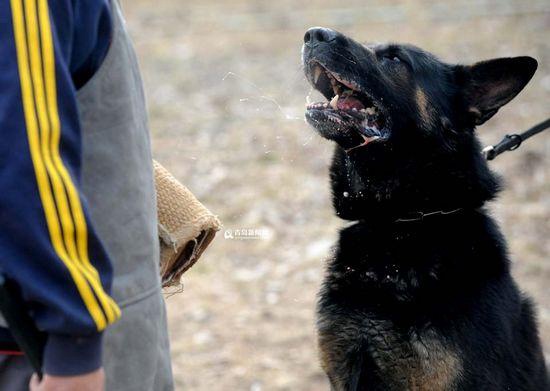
226 97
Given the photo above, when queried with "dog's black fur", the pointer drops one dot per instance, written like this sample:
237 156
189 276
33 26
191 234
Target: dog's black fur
426 304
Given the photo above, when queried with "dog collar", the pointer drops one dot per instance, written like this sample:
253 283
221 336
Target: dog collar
419 216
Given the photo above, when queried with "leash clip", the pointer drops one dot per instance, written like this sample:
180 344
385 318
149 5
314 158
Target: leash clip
516 141
489 152
511 142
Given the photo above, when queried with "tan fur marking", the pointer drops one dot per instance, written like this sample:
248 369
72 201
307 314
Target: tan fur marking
439 367
423 363
423 107
331 358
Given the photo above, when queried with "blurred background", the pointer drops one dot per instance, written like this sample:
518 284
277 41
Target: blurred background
226 96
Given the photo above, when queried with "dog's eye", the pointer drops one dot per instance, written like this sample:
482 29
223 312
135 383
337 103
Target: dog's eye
394 62
391 58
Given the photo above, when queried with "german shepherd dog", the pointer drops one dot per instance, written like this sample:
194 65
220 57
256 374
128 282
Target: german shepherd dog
418 294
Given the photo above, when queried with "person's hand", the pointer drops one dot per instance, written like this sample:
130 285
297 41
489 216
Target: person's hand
93 381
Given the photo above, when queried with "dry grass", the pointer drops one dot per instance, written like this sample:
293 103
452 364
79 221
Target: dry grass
226 95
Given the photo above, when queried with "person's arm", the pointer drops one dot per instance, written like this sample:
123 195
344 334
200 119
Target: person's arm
47 242
93 381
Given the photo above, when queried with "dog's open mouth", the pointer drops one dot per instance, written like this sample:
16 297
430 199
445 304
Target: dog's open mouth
350 116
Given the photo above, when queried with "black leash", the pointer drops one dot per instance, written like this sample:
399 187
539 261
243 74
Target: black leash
512 142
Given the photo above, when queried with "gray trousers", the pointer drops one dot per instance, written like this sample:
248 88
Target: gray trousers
15 373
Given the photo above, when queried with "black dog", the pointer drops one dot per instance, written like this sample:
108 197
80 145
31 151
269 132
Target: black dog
418 295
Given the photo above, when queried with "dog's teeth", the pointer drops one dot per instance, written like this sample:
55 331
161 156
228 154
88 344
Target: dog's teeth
336 88
334 102
317 74
370 110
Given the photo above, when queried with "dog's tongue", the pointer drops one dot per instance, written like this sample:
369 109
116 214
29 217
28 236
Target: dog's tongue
349 102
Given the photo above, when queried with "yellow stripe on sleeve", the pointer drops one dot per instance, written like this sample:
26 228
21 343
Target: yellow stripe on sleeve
111 309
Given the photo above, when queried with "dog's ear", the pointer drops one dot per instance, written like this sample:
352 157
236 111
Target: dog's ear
489 85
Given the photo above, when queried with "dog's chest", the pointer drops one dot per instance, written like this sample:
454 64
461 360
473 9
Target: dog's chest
419 362
415 361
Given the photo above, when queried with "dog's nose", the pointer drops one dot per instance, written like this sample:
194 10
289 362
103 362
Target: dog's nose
317 35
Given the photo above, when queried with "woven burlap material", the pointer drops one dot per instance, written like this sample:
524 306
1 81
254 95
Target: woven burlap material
186 227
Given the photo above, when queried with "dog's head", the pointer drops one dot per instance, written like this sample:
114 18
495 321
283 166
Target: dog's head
402 119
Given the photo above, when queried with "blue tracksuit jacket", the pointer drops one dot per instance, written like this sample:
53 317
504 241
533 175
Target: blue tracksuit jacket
49 49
